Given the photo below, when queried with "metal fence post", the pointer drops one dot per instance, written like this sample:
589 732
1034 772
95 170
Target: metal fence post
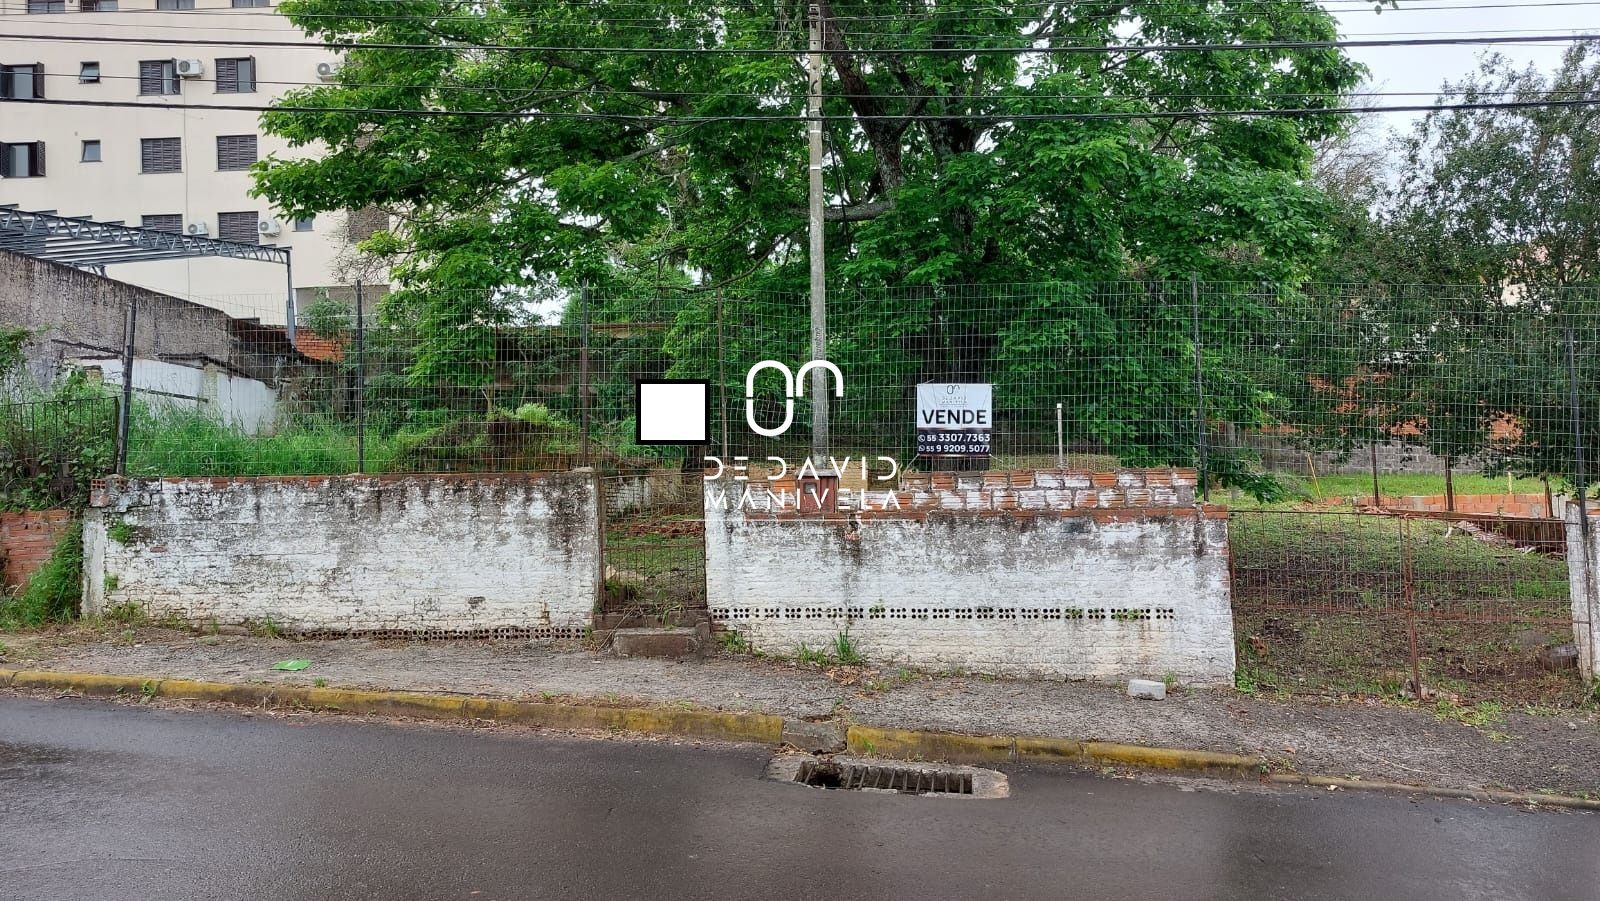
583 369
1199 388
130 318
1580 486
722 381
361 380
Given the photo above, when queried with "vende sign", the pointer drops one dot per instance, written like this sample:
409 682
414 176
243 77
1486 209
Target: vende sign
955 420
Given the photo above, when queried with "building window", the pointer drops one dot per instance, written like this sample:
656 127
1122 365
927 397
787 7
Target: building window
304 223
163 222
91 152
235 151
241 228
97 6
364 223
25 160
236 75
47 6
174 4
249 4
89 73
158 76
161 154
22 82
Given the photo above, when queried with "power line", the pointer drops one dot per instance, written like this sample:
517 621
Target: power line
1022 94
656 23
666 120
1050 50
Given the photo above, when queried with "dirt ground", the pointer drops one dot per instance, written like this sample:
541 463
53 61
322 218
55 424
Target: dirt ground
1523 749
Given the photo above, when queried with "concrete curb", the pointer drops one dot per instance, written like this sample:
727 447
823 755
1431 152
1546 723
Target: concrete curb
1501 797
749 727
760 728
956 747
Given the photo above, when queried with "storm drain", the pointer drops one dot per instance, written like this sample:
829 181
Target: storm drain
906 780
868 775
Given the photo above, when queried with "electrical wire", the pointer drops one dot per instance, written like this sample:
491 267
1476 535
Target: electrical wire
663 120
1050 50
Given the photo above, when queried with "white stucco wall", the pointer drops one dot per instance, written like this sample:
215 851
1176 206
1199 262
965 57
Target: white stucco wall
244 403
425 554
1092 593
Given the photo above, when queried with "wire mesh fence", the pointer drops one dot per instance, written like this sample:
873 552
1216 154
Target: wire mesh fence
1451 411
1273 391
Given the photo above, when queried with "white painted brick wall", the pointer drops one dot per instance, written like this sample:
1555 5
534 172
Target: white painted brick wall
1059 594
1585 590
417 553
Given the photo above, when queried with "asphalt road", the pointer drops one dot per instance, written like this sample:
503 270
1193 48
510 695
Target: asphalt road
107 801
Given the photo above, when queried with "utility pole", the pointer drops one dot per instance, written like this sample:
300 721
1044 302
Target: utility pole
819 269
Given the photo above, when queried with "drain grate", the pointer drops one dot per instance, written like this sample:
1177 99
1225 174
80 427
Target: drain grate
907 780
876 775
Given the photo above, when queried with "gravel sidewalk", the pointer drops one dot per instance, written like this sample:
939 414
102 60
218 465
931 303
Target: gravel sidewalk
1521 751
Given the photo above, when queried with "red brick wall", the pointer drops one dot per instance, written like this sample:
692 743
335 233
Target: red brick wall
1524 505
26 541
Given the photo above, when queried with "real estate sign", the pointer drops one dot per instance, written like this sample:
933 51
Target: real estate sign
955 419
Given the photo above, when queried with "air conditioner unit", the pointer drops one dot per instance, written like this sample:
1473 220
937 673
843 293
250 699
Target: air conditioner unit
269 227
197 229
189 68
326 71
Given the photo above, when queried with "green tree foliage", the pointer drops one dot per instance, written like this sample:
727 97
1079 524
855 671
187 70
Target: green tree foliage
1506 203
630 169
1506 197
936 174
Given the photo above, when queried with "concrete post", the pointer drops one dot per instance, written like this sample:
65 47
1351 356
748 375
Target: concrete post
1581 556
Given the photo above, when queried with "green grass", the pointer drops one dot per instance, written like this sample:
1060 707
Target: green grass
54 592
1407 484
1351 561
846 651
1321 602
187 443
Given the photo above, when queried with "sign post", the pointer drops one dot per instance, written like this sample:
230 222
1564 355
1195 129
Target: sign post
955 420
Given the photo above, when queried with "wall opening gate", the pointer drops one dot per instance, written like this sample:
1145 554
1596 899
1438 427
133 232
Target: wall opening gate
654 549
1363 603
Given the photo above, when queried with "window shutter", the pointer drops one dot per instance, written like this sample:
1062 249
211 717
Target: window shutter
5 160
235 151
38 81
239 227
150 77
161 155
227 76
6 89
36 164
163 222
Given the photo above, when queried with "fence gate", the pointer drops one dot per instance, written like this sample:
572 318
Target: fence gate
654 549
1355 602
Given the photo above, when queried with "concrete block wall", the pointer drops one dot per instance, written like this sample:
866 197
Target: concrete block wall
27 540
1583 573
1055 573
436 555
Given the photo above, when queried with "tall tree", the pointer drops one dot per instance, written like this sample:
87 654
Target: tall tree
640 148
1510 196
1505 203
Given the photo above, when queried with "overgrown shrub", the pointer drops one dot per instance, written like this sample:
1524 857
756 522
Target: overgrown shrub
52 444
54 592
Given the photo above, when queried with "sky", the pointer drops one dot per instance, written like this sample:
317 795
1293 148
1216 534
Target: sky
1424 69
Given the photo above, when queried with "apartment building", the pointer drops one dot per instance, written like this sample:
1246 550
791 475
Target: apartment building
154 160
